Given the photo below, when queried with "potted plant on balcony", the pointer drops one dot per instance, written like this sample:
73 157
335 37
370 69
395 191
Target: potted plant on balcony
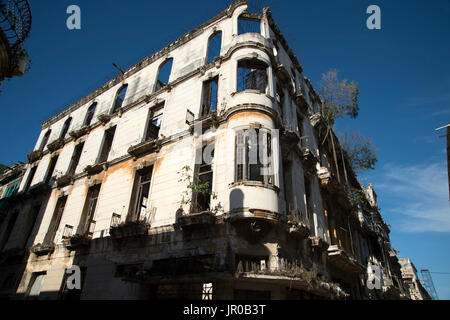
196 215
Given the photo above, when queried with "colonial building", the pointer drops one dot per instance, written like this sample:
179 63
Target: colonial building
273 213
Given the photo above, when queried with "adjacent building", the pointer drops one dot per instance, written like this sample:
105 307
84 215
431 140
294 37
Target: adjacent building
274 212
412 282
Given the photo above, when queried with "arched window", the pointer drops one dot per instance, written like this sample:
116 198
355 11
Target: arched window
214 46
248 24
90 114
45 140
164 74
65 128
120 97
252 75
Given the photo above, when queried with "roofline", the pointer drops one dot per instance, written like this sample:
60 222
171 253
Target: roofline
144 62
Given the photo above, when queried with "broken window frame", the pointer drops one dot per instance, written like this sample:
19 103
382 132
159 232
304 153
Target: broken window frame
154 122
141 187
30 178
281 99
248 24
89 209
205 173
90 114
210 91
107 143
212 44
245 170
300 129
75 160
9 229
35 210
36 276
65 128
120 98
159 83
56 220
45 140
51 169
309 204
247 67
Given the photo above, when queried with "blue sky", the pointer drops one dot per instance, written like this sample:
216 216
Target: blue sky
403 71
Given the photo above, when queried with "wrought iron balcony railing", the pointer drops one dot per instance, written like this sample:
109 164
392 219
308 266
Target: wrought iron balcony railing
15 21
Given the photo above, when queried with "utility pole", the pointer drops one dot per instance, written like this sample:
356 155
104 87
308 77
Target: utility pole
448 153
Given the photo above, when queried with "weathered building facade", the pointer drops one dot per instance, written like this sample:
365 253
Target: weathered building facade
412 282
102 189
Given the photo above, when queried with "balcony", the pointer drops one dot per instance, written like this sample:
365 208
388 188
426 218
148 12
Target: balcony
104 118
309 159
64 180
301 101
127 229
39 188
55 145
34 156
196 220
344 261
145 147
289 141
209 120
41 249
79 240
298 229
80 132
95 169
318 243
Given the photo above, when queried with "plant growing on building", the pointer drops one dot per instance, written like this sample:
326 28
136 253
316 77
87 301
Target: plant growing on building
193 186
340 99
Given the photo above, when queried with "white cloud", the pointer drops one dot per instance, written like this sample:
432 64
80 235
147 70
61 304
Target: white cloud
415 198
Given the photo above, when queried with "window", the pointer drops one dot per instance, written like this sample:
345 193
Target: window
253 156
75 158
30 178
90 114
300 127
247 24
65 128
280 99
154 122
120 97
34 288
107 143
31 222
214 46
140 196
87 218
45 140
209 100
164 74
51 169
56 220
9 227
252 74
12 188
204 172
308 201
